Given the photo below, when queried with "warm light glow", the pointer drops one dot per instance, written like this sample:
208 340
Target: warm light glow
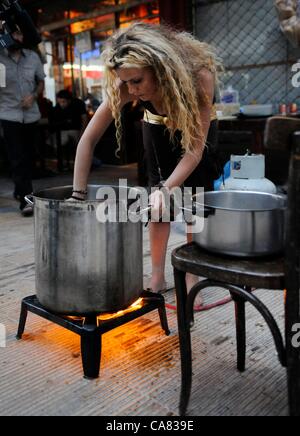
138 304
83 26
135 306
103 23
99 68
88 71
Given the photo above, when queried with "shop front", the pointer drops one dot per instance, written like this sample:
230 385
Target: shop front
73 36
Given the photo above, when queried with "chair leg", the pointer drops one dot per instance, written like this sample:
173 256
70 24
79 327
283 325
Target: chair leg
22 321
292 348
163 318
247 296
91 344
240 320
293 373
185 341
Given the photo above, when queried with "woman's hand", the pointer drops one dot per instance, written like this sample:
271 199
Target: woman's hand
70 200
78 196
75 200
157 201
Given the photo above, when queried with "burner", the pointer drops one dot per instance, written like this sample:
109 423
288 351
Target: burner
91 328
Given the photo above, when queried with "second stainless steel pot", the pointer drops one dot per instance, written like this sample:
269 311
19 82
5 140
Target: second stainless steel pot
241 223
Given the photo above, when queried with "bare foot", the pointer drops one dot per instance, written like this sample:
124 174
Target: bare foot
157 286
191 280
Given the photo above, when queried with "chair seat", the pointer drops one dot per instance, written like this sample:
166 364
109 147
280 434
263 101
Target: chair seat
265 272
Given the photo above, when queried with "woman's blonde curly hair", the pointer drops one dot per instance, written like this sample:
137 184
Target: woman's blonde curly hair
176 59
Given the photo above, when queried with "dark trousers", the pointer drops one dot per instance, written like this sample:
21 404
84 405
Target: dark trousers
20 141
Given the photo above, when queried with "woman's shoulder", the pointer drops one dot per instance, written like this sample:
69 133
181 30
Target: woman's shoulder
205 75
206 81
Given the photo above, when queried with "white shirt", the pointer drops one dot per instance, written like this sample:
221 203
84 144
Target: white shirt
21 79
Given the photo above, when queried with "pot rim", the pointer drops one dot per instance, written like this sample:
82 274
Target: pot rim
37 195
231 209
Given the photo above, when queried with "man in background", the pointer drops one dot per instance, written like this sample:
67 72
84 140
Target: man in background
70 115
19 113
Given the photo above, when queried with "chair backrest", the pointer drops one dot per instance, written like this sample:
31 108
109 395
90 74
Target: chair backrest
292 256
279 131
277 143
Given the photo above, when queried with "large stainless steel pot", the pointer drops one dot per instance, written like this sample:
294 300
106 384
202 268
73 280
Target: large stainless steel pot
241 223
84 266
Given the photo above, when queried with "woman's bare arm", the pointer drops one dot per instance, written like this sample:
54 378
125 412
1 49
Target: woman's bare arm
93 133
85 150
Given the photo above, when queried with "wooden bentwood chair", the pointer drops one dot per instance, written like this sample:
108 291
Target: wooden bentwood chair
240 275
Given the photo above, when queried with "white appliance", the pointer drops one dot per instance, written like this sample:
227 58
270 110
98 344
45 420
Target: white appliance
248 174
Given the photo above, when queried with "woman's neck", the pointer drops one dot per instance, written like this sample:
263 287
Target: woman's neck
158 106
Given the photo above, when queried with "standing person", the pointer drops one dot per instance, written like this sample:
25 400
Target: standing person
19 113
174 76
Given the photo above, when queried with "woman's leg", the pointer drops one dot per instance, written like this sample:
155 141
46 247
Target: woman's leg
159 237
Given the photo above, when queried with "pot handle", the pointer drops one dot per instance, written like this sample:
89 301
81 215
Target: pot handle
29 199
207 210
141 212
146 210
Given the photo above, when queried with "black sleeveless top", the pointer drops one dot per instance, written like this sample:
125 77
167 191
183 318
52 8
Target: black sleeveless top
163 155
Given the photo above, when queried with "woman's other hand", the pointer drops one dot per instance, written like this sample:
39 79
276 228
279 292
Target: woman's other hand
157 202
77 196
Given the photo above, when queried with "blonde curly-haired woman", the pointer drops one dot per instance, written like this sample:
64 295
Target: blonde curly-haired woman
174 76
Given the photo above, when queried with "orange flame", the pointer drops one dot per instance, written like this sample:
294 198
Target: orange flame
138 304
135 306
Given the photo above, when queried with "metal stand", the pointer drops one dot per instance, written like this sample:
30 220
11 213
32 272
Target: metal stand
91 329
